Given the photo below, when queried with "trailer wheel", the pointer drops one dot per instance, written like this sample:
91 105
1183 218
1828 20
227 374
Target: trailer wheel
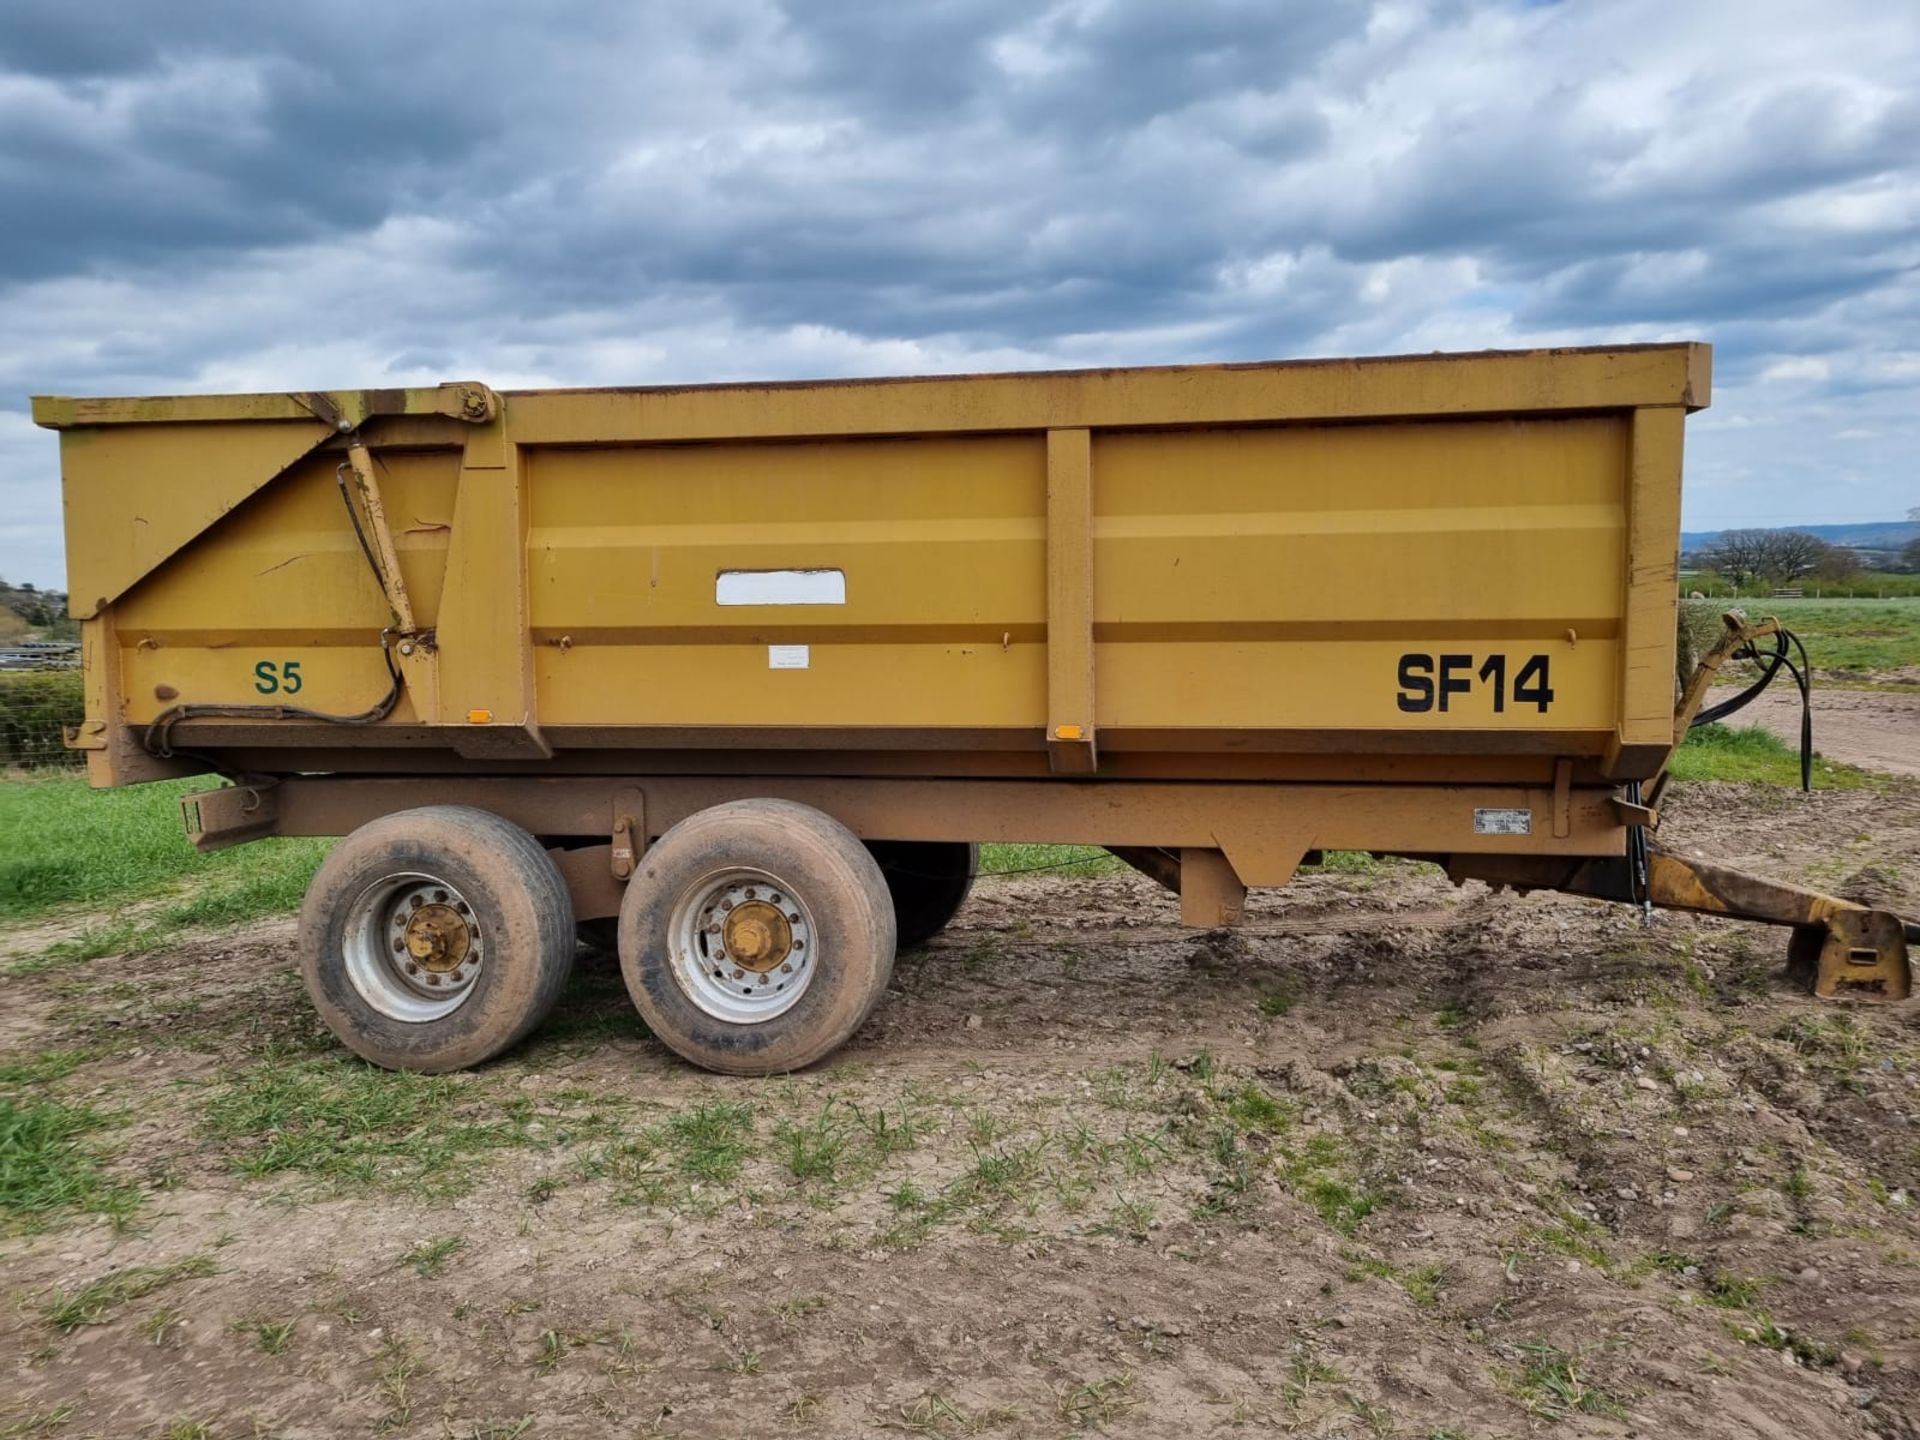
756 936
434 939
601 933
929 881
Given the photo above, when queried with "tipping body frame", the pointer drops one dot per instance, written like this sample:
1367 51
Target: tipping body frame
1215 617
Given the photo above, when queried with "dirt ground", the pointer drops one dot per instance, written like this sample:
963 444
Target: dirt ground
1874 729
1395 1160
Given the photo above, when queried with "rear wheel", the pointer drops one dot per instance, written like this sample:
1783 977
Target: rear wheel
434 939
756 936
601 933
929 881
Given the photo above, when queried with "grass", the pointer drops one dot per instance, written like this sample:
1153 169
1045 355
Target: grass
1724 752
693 1158
1094 1405
712 1141
39 1422
553 1349
394 1371
45 1170
814 1150
348 1122
1346 862
43 1067
272 1337
934 1414
1764 1332
1733 1292
1276 1000
1306 1371
62 843
1058 859
1550 1385
1577 1237
430 1257
1857 637
158 1326
1319 1173
95 1302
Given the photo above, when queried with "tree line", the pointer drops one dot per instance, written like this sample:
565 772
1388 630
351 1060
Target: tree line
1781 557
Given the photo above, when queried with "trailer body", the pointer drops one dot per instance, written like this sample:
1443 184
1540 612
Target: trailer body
1215 617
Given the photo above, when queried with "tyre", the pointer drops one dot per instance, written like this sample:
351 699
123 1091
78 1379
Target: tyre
756 936
434 939
601 934
929 881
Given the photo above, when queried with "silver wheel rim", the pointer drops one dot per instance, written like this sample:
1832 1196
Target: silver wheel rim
414 947
730 956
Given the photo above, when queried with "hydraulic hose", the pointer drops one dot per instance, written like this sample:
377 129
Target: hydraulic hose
1771 663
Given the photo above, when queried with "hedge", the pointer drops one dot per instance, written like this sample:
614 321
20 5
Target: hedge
35 706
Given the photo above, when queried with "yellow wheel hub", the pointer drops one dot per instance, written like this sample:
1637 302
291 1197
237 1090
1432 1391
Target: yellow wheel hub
758 936
437 938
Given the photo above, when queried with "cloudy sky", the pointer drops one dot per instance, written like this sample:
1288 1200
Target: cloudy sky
232 194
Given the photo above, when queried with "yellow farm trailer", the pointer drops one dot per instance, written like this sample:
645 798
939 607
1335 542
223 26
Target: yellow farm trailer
754 668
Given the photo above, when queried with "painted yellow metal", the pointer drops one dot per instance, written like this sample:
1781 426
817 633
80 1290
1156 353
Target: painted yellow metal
338 409
1529 382
484 644
1652 575
136 495
1179 561
1070 648
145 476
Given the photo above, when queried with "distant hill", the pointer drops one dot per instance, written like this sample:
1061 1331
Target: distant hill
27 612
1872 535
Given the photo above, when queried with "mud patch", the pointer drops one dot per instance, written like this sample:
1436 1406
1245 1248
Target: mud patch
1873 729
1395 1159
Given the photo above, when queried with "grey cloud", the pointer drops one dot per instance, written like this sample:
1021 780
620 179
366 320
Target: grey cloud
241 194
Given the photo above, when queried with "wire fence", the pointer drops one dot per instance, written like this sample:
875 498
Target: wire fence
36 706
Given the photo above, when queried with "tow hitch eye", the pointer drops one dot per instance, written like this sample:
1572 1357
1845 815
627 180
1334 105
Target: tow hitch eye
1854 954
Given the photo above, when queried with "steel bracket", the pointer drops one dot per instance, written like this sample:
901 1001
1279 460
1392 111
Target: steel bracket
629 831
231 815
1855 955
1839 949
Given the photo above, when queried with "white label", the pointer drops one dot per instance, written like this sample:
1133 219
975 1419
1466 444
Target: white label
781 587
1503 822
787 657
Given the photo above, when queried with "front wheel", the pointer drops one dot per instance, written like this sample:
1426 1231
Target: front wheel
434 939
756 936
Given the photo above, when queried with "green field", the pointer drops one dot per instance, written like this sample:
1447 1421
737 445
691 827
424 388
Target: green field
1849 639
64 846
1868 585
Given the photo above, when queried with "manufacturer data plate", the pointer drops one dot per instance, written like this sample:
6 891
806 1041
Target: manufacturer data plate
1503 822
788 657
